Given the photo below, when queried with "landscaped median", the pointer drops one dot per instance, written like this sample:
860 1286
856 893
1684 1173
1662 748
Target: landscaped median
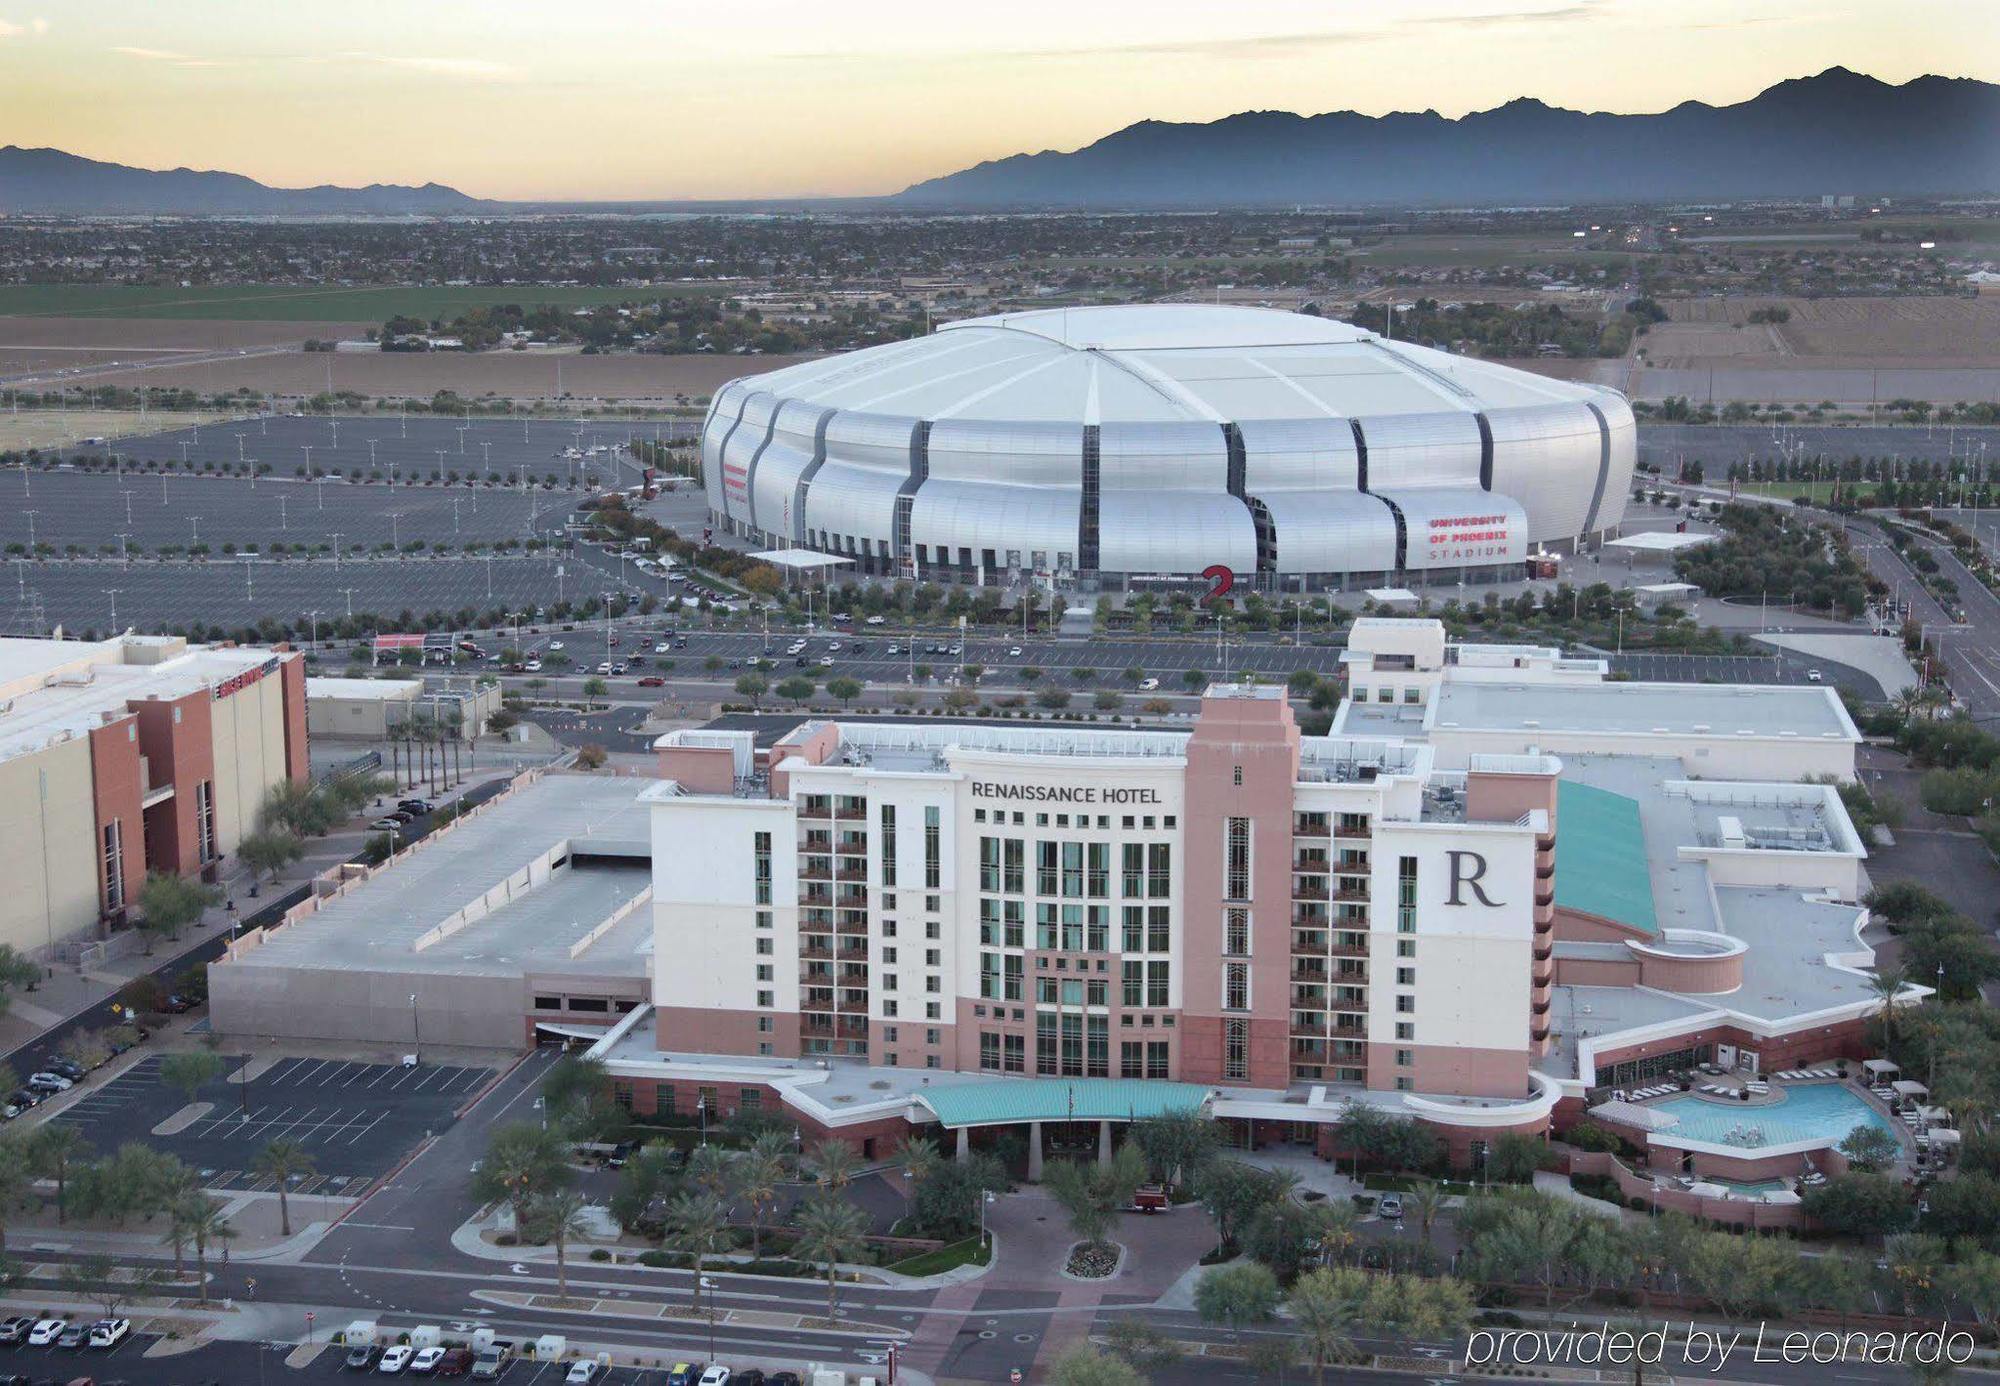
627 1307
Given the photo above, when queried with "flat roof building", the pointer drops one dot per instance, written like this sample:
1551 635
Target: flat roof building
134 754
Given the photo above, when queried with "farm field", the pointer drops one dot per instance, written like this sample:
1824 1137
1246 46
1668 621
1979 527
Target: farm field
1903 331
301 303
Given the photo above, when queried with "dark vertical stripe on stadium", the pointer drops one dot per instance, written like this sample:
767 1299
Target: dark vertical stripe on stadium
1402 534
800 534
920 470
721 450
1485 452
1360 453
1232 440
1086 539
750 472
1260 515
1603 467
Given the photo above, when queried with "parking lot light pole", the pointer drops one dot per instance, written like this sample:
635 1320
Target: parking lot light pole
708 1311
416 1037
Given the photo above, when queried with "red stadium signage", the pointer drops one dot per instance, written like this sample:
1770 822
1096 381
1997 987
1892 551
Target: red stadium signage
1470 538
236 683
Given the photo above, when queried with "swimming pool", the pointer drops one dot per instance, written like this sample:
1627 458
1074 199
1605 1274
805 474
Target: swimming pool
1824 1112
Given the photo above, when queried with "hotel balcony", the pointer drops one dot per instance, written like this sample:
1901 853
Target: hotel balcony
1357 890
1309 888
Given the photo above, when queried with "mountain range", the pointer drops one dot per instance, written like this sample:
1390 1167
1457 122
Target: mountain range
1837 132
51 181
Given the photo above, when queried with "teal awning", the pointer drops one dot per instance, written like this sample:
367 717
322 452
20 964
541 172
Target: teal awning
1059 1099
1601 857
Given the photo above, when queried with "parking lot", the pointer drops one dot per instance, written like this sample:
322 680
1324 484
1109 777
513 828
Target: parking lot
391 445
355 1119
1780 666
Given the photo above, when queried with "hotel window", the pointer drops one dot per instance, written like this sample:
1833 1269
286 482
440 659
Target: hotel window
1157 976
1097 992
1236 867
1072 869
1235 1049
1159 870
1013 914
765 1000
114 865
1045 1042
1045 927
1236 932
1405 1030
1236 986
989 976
989 863
933 957
1133 861
989 1051
1133 975
1097 1047
1072 1045
763 947
1072 992
989 923
1013 879
1406 895
760 848
1131 1059
933 855
888 844
1072 928
1406 976
1406 948
764 1025
1014 1049
889 981
1048 991
1406 1005
763 919
1132 929
1097 929
1099 884
1014 977
764 972
1406 1058
1156 1058
1048 873
1159 928
933 984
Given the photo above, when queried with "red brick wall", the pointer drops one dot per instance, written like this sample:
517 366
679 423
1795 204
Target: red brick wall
1848 1040
182 754
871 1139
117 787
298 756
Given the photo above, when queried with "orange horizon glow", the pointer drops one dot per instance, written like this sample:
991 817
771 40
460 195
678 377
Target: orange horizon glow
666 100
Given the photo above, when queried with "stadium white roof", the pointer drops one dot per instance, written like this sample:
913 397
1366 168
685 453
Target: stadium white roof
1159 363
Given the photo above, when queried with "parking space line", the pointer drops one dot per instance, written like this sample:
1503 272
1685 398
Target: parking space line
365 1068
379 1077
307 1068
366 1129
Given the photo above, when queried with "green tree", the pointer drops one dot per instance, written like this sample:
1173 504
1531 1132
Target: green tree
576 1094
1177 1145
1092 1194
282 1161
798 688
169 903
1326 1305
558 1215
1513 1158
696 1221
54 1150
830 1230
845 689
759 1172
834 1163
1194 680
270 851
1232 1192
1885 986
206 1225
713 1168
16 971
753 687
190 1071
1869 1147
524 1160
1141 1346
1084 1365
1237 1295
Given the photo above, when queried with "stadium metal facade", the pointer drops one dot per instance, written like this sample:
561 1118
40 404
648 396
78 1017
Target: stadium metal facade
1115 445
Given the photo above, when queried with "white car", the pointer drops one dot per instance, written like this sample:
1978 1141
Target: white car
426 1362
49 1082
895 649
1013 652
1148 685
582 1373
834 648
109 1333
717 1375
1814 676
533 666
395 1359
45 1332
605 667
662 647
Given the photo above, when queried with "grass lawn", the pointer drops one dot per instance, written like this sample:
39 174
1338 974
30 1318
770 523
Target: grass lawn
301 302
1410 1183
966 1253
47 428
1819 491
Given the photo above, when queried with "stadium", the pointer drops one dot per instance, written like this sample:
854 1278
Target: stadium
1124 446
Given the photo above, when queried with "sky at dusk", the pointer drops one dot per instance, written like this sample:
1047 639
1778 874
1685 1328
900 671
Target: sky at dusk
623 99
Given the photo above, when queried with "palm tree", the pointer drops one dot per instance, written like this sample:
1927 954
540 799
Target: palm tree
204 1222
52 1150
831 1230
835 1162
919 1159
1886 986
562 1214
758 1174
1428 1199
695 1221
713 1168
284 1160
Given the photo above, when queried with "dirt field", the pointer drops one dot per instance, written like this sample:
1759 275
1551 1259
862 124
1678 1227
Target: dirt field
1853 332
134 334
296 303
512 375
46 428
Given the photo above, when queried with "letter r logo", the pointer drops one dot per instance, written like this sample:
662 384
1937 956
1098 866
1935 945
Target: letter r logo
1468 879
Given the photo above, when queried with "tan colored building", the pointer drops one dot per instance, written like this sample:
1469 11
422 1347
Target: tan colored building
129 755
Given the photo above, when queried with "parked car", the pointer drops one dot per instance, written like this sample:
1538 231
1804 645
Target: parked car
1391 1206
23 1099
1814 676
1013 652
416 806
492 1360
50 1083
15 1329
455 1362
652 681
176 1004
782 1379
426 1361
685 1374
620 668
717 1375
68 1068
555 644
74 1336
394 1360
362 1356
582 1373
1148 685
386 825
109 1333
45 1332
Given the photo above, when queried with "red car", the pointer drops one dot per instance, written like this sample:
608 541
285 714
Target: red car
455 1362
652 681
